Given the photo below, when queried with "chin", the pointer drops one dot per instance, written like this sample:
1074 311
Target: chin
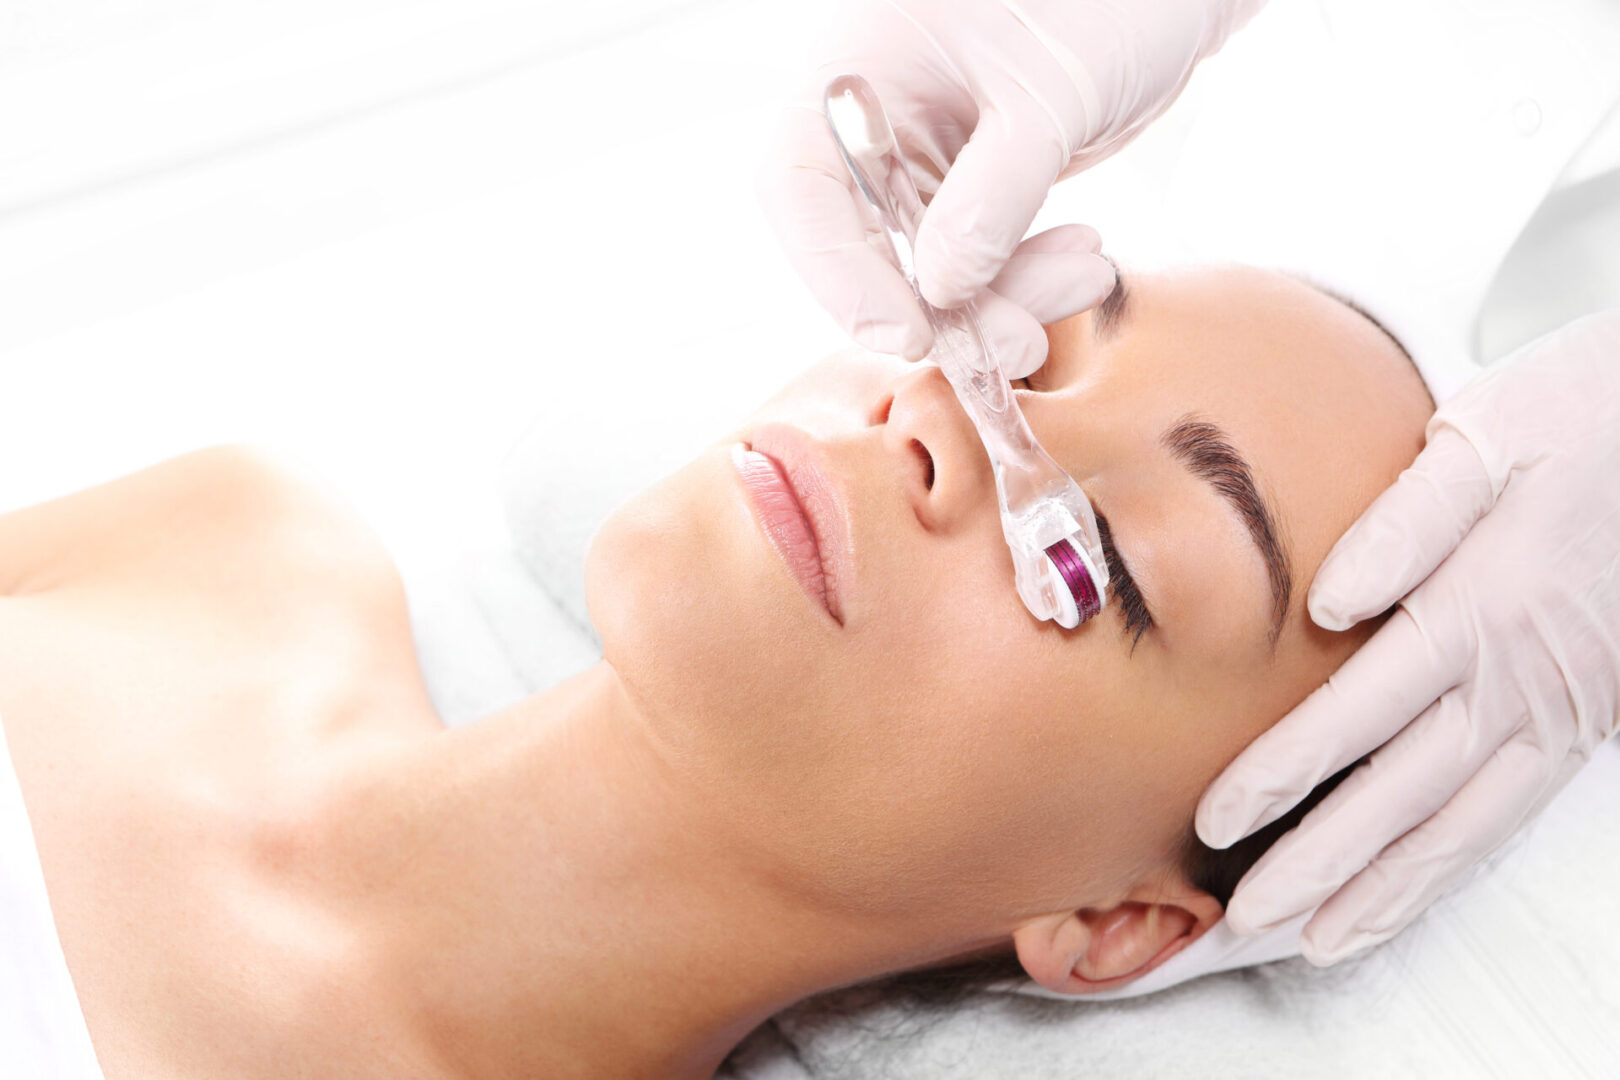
691 606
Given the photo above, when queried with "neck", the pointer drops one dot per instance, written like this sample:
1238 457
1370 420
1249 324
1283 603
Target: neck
551 897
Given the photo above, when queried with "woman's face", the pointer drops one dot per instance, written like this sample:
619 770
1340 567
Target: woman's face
940 746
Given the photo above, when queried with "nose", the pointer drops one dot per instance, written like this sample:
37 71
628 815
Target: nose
933 443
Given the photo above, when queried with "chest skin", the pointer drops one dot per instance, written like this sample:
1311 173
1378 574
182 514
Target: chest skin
184 653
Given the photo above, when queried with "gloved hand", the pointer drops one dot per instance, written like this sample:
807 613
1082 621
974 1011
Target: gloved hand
992 101
1489 687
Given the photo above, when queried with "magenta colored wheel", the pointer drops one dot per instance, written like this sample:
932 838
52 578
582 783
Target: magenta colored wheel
1076 577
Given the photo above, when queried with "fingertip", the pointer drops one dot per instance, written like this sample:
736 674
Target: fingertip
1237 917
1228 812
1340 596
1052 281
1015 338
1218 820
1027 356
1315 956
1261 903
1324 954
908 340
1087 236
1327 611
1023 364
1095 283
917 344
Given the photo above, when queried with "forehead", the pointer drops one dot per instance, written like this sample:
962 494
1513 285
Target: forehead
1324 406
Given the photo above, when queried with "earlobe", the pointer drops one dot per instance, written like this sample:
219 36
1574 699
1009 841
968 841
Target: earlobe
1050 947
1098 948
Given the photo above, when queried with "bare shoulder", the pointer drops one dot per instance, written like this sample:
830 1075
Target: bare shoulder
227 518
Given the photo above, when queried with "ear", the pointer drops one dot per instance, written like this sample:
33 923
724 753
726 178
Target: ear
1096 948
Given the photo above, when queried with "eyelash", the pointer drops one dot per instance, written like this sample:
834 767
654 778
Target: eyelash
1138 619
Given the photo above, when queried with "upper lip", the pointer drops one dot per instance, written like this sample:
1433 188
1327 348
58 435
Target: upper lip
825 506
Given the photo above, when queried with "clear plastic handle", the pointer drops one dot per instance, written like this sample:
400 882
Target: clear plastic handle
1050 527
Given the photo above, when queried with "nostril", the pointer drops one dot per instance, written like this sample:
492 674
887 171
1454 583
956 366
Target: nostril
880 415
928 463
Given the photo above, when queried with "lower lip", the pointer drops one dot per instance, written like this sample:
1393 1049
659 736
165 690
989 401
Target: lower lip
783 520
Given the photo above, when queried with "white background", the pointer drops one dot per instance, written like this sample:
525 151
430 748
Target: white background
390 236
384 236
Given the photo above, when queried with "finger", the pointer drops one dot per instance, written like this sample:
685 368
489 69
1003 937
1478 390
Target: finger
985 203
1399 671
1056 274
813 206
1407 532
1404 783
1018 340
1414 871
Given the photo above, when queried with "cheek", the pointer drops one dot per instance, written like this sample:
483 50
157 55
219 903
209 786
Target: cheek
1085 783
960 760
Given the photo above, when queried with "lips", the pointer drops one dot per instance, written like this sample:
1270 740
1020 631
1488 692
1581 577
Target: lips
798 510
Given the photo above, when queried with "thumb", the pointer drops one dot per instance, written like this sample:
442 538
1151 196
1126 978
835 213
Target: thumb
985 204
1408 531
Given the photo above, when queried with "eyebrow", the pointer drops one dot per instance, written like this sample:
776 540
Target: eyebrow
1207 452
1114 309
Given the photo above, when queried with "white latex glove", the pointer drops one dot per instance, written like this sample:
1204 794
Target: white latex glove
1489 687
993 101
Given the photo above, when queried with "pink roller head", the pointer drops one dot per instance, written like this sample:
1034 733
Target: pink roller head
1076 577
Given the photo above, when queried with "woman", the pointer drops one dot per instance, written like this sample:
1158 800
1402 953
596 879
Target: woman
266 856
